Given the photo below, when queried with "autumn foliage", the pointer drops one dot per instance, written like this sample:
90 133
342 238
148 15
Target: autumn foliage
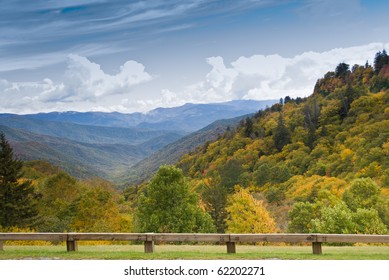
304 157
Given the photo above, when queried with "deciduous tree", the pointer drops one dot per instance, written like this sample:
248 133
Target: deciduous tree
248 215
168 205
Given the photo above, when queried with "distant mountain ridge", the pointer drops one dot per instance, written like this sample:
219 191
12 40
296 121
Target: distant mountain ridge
108 145
91 134
189 117
79 159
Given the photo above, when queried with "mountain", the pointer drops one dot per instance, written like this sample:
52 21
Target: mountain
88 133
171 153
109 144
315 162
82 160
197 116
188 118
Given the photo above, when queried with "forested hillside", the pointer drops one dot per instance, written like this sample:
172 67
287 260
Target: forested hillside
171 153
108 145
317 164
53 201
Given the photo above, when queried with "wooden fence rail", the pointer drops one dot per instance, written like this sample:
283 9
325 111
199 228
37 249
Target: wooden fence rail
230 240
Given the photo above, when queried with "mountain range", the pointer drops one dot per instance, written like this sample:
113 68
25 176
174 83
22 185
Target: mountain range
109 145
188 118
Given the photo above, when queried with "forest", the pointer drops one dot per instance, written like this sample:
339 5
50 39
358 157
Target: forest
314 164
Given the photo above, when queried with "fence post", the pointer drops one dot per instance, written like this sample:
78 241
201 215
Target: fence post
149 243
231 247
1 245
316 248
71 244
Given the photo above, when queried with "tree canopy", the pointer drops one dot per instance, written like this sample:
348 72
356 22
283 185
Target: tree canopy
168 205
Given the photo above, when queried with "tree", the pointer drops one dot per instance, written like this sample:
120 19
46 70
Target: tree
168 205
248 215
229 174
381 59
281 134
368 222
363 193
18 200
96 211
342 70
215 198
340 219
59 194
336 219
301 217
248 127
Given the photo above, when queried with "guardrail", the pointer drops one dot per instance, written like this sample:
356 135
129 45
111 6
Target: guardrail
230 240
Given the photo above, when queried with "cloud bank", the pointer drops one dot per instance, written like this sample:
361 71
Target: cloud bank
271 77
86 87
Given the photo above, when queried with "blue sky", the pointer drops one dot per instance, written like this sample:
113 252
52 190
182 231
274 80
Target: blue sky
137 55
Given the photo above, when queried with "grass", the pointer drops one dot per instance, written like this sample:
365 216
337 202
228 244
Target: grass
194 252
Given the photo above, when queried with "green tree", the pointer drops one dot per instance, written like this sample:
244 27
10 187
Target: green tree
96 211
215 198
18 200
367 221
230 173
342 70
301 217
336 219
168 205
281 134
248 127
381 59
248 215
59 194
363 193
340 219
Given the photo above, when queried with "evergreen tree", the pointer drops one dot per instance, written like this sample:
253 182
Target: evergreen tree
342 70
281 134
381 59
18 205
248 128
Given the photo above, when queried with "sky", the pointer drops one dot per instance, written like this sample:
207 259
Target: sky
134 56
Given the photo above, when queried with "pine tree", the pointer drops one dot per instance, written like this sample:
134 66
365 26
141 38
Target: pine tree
17 197
281 134
381 59
342 70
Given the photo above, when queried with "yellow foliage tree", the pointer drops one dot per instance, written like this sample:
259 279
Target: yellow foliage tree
248 215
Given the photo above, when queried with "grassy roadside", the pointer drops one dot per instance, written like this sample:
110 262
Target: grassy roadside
199 252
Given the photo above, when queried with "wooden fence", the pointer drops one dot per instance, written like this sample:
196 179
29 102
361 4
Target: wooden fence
230 240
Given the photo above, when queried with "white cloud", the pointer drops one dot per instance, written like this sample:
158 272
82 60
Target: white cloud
267 67
271 77
85 87
86 80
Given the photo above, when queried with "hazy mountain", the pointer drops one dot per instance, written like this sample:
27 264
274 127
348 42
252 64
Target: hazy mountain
80 159
109 144
87 133
189 117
